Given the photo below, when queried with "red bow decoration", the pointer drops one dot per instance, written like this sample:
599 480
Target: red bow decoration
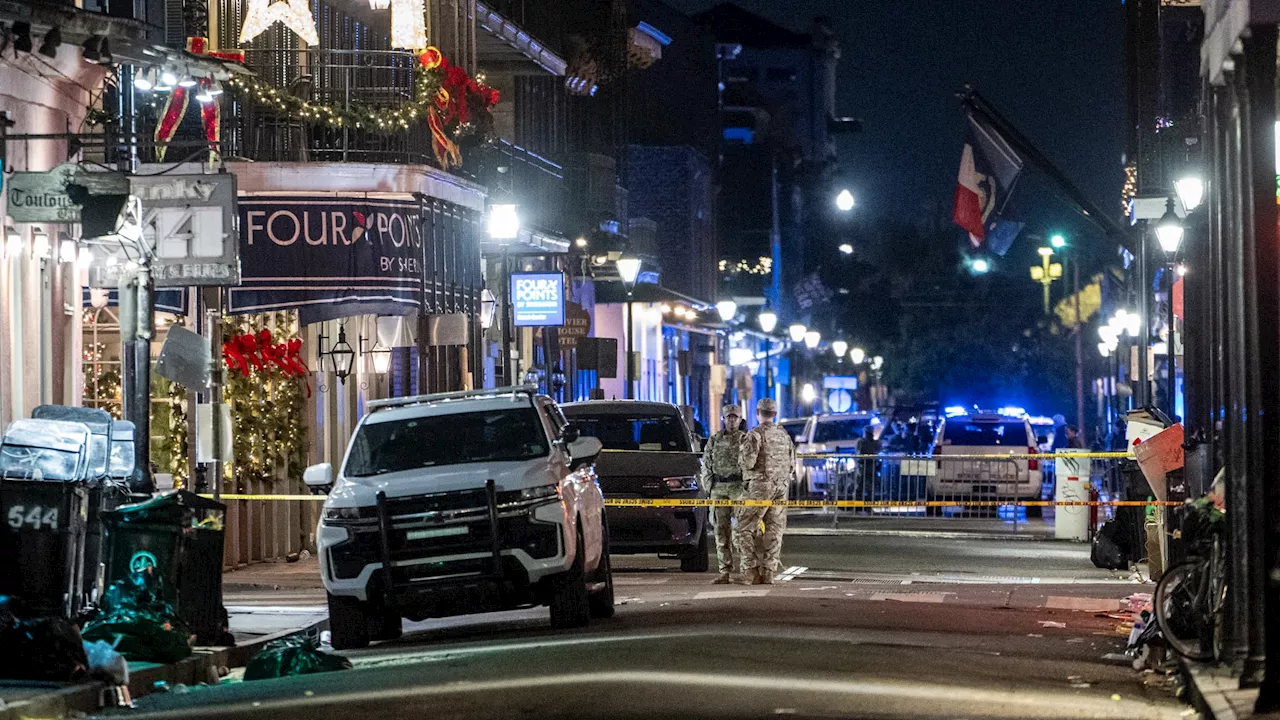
258 353
175 107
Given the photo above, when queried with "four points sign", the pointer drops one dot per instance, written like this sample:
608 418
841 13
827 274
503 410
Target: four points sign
538 299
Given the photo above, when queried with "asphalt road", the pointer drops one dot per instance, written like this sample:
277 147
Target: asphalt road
861 627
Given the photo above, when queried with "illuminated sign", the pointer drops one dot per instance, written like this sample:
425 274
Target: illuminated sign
538 299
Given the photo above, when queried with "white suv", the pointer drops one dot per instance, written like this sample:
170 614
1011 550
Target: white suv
980 440
461 503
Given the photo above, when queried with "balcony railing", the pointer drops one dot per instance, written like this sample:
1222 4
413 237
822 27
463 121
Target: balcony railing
338 78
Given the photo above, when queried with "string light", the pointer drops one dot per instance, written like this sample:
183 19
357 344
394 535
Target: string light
293 14
408 24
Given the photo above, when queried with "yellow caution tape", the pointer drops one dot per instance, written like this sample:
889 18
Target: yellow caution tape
1007 456
708 502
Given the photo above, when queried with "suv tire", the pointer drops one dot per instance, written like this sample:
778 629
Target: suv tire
698 560
601 601
570 604
349 621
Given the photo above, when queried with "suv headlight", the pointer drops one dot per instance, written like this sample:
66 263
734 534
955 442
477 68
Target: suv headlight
537 493
681 483
349 514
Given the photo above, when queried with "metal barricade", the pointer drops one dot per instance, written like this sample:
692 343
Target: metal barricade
1015 489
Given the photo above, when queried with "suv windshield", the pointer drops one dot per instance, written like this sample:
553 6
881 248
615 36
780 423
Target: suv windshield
835 430
491 436
627 432
986 433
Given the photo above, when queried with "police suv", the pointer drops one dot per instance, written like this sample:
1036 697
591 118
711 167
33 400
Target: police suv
460 503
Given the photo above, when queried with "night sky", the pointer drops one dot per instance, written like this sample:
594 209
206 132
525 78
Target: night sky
1055 69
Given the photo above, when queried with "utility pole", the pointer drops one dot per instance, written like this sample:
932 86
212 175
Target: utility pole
1075 287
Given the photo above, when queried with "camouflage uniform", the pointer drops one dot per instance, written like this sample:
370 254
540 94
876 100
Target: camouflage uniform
721 473
768 459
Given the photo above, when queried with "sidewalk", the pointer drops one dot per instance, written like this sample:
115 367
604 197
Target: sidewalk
252 625
1217 694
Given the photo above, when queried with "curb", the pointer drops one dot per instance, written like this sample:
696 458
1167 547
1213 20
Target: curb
201 667
1208 690
934 534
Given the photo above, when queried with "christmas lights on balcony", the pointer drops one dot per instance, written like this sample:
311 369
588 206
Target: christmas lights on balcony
293 14
408 24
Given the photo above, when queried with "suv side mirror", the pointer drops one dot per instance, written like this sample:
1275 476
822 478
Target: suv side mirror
319 478
570 434
583 451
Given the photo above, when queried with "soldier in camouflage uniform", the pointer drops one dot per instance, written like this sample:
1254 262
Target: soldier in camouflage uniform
768 459
721 473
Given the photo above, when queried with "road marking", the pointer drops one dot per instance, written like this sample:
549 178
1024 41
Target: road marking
824 587
791 573
1082 604
719 594
938 597
619 579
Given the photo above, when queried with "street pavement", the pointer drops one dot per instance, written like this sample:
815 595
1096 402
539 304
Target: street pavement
858 626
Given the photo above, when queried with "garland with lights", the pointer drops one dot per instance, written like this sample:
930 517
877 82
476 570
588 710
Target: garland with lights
172 444
446 97
268 411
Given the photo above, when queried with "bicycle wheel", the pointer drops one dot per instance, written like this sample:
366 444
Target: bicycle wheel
1180 608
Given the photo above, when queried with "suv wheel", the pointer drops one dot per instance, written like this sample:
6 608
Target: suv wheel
570 604
698 560
602 600
349 621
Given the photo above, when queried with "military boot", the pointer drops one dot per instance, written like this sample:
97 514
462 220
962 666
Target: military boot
763 577
748 577
723 579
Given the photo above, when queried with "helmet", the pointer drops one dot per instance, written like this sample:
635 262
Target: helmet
728 410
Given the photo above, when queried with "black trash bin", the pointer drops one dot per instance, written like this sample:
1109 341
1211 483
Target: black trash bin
180 534
42 551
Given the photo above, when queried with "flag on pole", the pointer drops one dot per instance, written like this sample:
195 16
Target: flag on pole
989 168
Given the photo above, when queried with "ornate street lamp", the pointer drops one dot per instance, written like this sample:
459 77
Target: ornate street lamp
342 357
797 332
839 347
768 321
629 271
488 308
727 309
857 356
379 356
812 338
1169 230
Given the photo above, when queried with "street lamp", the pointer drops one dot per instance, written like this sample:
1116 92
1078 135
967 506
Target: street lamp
857 355
846 248
1190 190
1046 272
1058 242
378 355
844 200
797 332
812 338
980 265
504 222
839 347
1169 230
727 309
629 271
768 321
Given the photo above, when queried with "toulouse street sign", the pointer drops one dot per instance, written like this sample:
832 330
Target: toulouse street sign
43 197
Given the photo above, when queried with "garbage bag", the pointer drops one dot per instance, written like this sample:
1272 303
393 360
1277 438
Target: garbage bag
139 621
293 655
1106 554
46 649
105 663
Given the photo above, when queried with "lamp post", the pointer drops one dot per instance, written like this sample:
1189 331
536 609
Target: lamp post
1169 232
629 271
727 310
845 201
1046 272
768 321
503 225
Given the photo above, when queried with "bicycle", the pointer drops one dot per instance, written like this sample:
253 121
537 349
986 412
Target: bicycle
1190 597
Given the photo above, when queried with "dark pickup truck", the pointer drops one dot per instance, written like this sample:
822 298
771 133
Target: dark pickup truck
649 453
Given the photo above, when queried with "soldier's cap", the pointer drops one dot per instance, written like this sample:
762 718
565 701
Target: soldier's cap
767 405
728 410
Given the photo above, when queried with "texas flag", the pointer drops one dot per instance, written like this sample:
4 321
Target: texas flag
989 168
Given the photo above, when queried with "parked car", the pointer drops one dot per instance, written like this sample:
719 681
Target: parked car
460 503
648 454
832 433
985 433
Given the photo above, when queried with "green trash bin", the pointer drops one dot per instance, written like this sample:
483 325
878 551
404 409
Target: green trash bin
180 534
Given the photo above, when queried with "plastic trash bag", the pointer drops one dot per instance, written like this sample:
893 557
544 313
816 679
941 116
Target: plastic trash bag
139 621
106 663
40 649
293 655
